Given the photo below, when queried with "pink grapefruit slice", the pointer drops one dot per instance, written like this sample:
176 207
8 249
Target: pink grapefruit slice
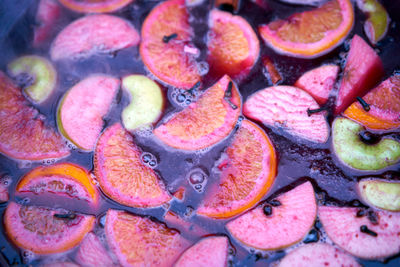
167 60
247 176
205 122
288 223
91 252
140 241
37 229
95 6
313 33
121 174
91 35
359 235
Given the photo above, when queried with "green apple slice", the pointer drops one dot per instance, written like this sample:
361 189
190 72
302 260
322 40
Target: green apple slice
39 71
381 194
146 102
352 151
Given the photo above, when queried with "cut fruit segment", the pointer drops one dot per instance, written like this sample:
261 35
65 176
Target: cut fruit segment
380 193
205 122
41 231
23 134
140 241
247 176
64 178
313 33
165 33
319 82
355 153
317 254
287 107
48 13
173 220
121 174
233 46
288 224
95 6
358 235
210 251
3 193
92 35
384 106
80 113
91 253
362 71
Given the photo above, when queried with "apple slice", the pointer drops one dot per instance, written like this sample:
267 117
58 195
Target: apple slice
357 154
47 15
359 235
146 104
37 74
380 193
91 252
270 227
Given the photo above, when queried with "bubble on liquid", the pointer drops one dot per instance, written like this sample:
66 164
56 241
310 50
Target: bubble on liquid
6 180
197 179
203 68
27 256
189 211
145 131
24 164
23 201
70 145
149 159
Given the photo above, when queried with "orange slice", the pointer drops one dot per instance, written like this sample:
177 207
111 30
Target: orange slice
205 122
95 6
122 175
313 33
247 176
92 252
167 60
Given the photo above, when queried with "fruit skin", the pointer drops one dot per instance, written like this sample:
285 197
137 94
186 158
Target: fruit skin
146 102
42 72
354 153
362 71
380 193
95 6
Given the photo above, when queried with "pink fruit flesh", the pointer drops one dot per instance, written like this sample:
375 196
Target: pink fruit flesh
363 70
3 193
286 107
93 34
47 15
288 223
319 82
92 253
344 228
210 251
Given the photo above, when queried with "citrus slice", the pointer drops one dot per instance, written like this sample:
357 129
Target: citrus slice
233 46
91 252
209 251
121 174
91 35
384 106
283 225
205 122
63 178
313 33
23 134
247 176
140 241
42 231
95 6
165 33
359 235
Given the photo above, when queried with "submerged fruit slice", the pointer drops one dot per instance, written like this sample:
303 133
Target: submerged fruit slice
91 252
122 175
317 254
63 178
358 235
40 71
319 82
287 107
288 223
95 6
362 71
92 35
140 241
205 122
247 176
384 106
47 15
380 193
186 227
3 193
352 151
146 104
313 33
23 134
165 33
233 46
209 251
80 113
39 230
